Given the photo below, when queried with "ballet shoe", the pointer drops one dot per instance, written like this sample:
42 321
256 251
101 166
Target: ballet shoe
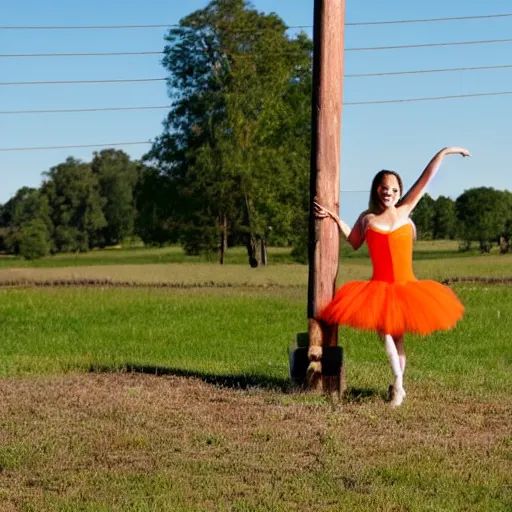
396 396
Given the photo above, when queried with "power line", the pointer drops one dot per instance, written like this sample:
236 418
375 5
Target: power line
122 27
431 20
90 54
113 144
159 107
85 27
76 146
117 54
353 75
175 25
297 53
428 45
366 48
66 111
432 98
113 81
424 71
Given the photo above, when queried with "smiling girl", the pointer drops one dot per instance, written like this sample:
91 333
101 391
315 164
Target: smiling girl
393 302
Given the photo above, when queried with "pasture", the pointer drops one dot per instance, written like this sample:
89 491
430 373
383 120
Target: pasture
171 392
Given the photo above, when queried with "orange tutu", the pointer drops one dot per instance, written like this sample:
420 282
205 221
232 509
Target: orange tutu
394 301
417 306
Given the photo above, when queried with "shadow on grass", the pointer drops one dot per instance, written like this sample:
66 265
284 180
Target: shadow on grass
240 381
359 395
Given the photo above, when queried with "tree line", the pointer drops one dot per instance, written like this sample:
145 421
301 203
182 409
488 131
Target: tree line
79 206
482 215
231 166
232 163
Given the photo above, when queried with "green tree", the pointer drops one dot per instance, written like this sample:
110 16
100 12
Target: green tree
26 212
117 176
34 240
155 201
15 205
423 216
506 235
75 205
483 214
238 83
445 219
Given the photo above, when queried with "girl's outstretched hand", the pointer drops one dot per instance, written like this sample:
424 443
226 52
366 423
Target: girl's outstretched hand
455 150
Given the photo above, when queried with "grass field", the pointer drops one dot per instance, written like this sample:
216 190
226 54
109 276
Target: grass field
138 256
178 399
170 266
234 256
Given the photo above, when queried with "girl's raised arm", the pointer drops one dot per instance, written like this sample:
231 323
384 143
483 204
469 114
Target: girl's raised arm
415 193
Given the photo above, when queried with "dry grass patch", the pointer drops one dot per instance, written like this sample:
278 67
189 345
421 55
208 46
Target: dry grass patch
170 273
139 442
214 275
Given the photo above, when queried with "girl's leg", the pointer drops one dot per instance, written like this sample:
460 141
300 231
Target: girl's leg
397 392
394 360
400 347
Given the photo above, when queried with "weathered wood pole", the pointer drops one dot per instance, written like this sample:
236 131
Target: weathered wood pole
328 38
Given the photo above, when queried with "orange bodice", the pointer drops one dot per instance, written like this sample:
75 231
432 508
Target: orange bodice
391 254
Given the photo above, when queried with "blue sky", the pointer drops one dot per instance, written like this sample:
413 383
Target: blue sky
397 136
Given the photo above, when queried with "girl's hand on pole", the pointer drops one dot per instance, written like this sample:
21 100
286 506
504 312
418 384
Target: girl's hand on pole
322 213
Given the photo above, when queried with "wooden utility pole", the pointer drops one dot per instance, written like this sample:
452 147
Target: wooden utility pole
323 353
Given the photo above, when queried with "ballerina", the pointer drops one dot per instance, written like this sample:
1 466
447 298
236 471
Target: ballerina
393 302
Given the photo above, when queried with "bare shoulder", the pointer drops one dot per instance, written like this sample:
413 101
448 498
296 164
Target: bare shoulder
367 216
364 220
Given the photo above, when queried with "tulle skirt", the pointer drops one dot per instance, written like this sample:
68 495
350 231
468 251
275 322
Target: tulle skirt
420 307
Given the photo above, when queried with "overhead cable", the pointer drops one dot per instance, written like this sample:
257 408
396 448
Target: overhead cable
348 75
177 25
360 49
76 146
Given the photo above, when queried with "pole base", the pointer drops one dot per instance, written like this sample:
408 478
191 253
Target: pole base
323 373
